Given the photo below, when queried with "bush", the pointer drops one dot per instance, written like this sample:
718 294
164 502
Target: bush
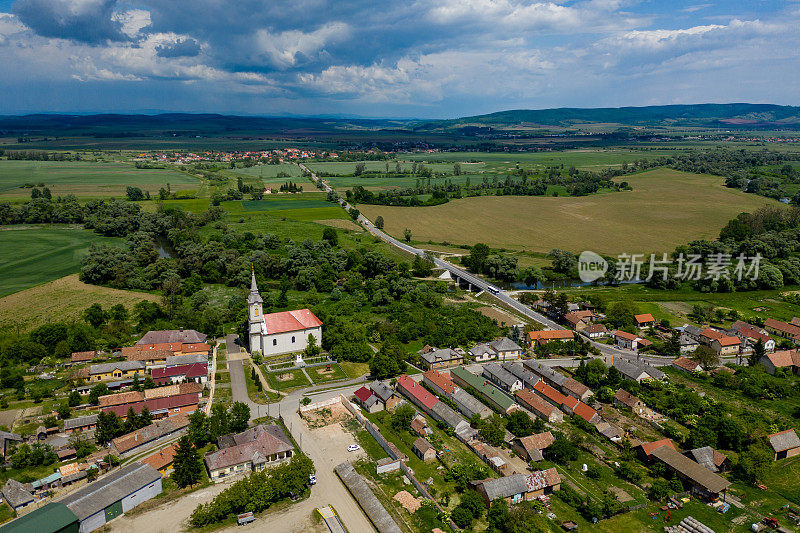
462 517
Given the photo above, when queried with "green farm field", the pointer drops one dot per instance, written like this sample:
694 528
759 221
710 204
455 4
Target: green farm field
665 208
33 255
85 179
584 159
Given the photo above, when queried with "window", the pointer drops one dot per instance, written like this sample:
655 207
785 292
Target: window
274 342
292 339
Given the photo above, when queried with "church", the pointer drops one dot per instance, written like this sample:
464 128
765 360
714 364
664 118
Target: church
279 333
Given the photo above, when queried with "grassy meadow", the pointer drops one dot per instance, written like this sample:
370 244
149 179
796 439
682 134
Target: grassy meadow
664 209
33 255
86 179
61 300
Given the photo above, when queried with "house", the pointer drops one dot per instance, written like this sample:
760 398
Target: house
151 358
54 517
704 483
161 402
783 329
686 364
482 352
538 406
550 376
726 345
182 373
423 449
710 458
687 343
530 447
16 494
645 449
81 423
586 412
131 443
523 373
506 349
511 488
782 359
438 382
576 389
469 405
784 444
186 359
549 335
251 450
502 378
493 395
542 483
419 425
113 494
624 398
443 358
644 321
366 399
612 433
385 394
173 336
637 370
162 459
693 331
752 335
415 392
53 481
82 357
8 440
709 335
595 331
629 341
66 454
550 394
577 320
120 369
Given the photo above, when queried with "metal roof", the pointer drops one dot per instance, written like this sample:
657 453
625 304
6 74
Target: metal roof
109 489
55 516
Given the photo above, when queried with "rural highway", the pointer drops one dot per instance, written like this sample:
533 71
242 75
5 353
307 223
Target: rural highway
608 351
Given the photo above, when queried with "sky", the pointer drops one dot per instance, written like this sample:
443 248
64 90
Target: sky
406 59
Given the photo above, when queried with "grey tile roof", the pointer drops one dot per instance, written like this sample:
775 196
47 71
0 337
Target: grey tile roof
504 344
785 440
250 445
467 403
482 349
104 368
109 489
633 369
81 421
497 373
686 340
693 331
695 472
505 487
444 354
528 378
706 457
381 390
189 336
16 494
189 359
446 413
545 371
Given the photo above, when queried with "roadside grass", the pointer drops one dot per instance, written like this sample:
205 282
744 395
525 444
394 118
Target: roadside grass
297 380
262 397
33 255
318 374
692 206
85 179
6 513
66 298
354 370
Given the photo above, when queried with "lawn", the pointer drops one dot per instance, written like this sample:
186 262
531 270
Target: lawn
320 374
295 379
354 370
86 179
66 298
33 255
665 208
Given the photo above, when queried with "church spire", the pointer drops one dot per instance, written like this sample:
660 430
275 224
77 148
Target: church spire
254 297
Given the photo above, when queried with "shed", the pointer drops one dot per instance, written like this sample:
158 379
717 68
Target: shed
55 517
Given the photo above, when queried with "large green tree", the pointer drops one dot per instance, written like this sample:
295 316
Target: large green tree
187 464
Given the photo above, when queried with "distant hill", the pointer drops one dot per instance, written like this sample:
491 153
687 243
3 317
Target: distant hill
696 115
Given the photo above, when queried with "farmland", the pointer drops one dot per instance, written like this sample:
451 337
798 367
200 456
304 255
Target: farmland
63 300
665 208
85 179
33 255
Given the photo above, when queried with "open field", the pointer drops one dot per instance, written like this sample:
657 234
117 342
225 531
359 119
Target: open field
65 299
665 208
269 173
86 179
578 158
36 254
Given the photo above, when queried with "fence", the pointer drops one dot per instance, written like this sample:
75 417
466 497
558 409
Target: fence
319 405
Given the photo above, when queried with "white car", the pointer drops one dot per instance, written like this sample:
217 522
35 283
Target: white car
312 479
353 447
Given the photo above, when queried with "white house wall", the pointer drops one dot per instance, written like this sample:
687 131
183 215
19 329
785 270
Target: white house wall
283 341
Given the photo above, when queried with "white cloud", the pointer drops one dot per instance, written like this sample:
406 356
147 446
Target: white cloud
283 49
133 21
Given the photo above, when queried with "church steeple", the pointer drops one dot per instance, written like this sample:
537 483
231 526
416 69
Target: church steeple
254 297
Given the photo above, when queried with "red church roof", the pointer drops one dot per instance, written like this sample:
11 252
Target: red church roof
286 321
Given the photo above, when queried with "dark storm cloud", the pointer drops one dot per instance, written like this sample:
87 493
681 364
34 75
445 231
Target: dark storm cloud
87 21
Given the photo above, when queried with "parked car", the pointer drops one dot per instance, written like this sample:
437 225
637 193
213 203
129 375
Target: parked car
353 447
312 479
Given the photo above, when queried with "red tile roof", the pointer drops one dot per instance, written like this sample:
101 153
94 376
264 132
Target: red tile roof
685 363
417 391
441 380
550 335
784 358
285 321
726 340
161 458
528 399
642 319
584 411
549 392
81 357
649 447
155 404
711 334
190 371
570 402
625 335
785 327
363 394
